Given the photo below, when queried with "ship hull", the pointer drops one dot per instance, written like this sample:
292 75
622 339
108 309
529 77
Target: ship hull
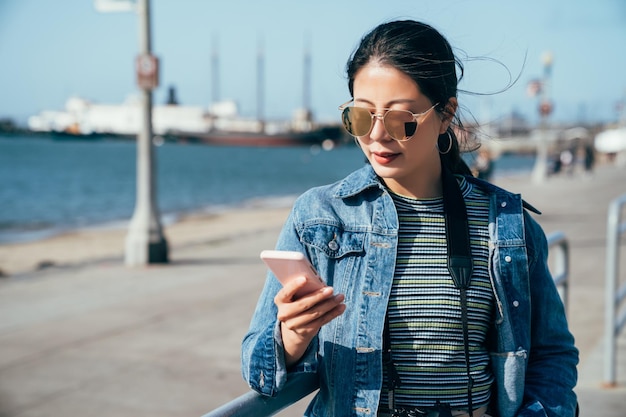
315 137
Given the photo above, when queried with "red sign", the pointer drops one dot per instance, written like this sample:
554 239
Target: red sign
147 67
545 108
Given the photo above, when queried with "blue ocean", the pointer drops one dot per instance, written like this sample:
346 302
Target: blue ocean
49 186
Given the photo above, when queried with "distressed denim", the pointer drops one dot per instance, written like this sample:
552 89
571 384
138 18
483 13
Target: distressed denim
349 230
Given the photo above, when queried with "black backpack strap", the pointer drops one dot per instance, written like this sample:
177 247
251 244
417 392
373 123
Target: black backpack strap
457 231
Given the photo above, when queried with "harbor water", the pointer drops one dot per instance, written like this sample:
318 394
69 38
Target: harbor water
49 186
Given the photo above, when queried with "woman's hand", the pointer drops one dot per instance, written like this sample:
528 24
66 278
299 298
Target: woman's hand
301 319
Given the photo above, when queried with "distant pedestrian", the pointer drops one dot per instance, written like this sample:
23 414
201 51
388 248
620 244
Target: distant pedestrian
590 158
567 161
439 299
556 167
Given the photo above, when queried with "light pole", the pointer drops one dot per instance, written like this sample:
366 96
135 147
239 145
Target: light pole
145 242
540 170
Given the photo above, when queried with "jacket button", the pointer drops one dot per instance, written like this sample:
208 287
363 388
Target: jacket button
503 204
333 245
515 303
507 258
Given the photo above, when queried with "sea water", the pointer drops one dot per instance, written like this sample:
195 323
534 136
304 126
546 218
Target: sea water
48 186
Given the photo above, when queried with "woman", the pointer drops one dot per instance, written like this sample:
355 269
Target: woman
439 299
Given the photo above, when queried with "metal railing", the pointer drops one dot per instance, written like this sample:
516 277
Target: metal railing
559 261
253 404
299 386
614 292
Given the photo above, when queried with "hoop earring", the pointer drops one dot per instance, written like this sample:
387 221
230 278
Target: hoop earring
449 143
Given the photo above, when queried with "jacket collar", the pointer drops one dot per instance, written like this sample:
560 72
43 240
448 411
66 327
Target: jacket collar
365 178
358 181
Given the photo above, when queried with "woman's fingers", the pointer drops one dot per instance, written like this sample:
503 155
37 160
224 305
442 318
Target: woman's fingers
309 313
289 290
301 319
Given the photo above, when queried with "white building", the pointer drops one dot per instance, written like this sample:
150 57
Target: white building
83 117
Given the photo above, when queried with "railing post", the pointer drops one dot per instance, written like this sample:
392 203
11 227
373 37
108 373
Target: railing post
560 272
613 295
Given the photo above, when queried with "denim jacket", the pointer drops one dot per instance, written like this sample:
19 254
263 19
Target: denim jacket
349 231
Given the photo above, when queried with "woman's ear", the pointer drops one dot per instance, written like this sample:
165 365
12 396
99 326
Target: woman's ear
448 114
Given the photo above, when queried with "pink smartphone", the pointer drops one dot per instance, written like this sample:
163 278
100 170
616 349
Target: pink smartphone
287 265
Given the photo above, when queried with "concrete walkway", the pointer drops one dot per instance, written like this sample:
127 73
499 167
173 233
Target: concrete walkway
101 339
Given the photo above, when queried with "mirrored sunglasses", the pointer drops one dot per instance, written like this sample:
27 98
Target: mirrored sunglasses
401 125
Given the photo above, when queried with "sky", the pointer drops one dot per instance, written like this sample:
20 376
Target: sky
51 50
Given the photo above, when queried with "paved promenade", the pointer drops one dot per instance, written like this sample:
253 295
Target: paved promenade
102 339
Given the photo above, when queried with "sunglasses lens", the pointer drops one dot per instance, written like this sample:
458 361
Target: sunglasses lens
400 125
356 120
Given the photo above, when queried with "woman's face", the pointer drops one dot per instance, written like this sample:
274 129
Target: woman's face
409 168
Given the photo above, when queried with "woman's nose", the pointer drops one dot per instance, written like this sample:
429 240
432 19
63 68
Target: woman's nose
379 132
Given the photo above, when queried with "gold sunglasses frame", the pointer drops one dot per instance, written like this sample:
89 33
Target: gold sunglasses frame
381 117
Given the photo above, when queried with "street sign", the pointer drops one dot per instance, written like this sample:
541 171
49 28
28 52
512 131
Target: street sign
147 67
545 108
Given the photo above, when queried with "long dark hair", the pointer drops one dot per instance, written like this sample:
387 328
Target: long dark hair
422 53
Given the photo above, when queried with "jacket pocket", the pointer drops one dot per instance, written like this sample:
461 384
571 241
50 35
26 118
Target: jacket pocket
509 369
333 241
